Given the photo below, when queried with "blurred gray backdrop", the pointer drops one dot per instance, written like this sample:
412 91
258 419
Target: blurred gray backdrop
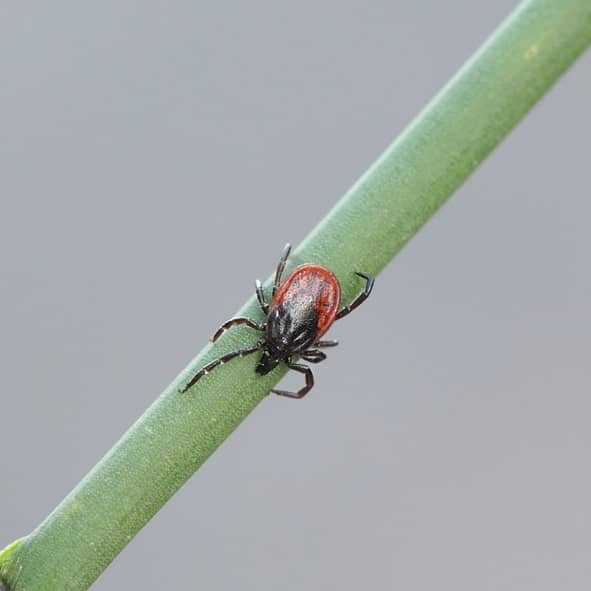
155 157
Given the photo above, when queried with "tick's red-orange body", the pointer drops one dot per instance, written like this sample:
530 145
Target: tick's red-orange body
314 284
302 309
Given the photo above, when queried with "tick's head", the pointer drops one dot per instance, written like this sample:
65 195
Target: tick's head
268 362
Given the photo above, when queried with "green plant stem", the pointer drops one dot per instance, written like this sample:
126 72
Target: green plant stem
387 206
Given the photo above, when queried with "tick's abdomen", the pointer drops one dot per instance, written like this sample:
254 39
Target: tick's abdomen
305 303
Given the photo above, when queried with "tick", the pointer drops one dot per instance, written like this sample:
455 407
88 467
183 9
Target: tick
302 309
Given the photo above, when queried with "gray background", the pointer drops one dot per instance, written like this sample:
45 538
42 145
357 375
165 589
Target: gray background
155 157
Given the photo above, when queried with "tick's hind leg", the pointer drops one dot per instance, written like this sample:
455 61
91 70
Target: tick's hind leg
235 322
220 361
279 271
322 344
281 266
309 382
361 297
261 296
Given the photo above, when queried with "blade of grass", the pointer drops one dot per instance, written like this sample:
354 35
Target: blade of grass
386 207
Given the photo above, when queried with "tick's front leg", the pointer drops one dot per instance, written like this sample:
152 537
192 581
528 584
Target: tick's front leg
309 382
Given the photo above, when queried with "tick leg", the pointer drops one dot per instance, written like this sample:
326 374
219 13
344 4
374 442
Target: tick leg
361 297
235 322
309 382
313 356
220 361
261 296
326 344
281 266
